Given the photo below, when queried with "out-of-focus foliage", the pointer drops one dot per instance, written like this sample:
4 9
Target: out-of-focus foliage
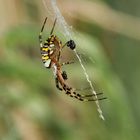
31 108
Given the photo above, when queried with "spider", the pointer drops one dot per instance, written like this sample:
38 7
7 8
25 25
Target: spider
51 50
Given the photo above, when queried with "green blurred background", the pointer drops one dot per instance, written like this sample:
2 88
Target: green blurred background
108 38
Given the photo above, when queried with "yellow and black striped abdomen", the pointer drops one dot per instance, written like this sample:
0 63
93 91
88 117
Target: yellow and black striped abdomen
45 56
44 53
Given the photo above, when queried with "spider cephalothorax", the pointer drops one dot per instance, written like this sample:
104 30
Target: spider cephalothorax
51 50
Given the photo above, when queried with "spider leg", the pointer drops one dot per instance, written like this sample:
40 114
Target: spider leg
40 35
67 63
53 26
57 84
71 92
90 95
82 97
94 99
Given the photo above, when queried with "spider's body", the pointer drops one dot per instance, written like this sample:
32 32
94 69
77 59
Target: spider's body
51 51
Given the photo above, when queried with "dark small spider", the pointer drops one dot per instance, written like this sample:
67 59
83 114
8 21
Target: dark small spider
51 52
71 44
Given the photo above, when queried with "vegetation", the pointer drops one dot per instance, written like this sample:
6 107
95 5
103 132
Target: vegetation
108 40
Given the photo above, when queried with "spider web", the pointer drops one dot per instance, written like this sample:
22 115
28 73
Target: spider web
54 12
